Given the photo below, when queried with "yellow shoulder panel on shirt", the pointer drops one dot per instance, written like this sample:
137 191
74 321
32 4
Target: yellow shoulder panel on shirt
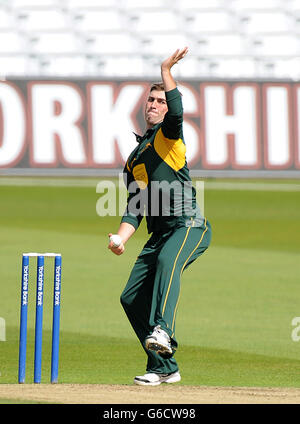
140 175
171 151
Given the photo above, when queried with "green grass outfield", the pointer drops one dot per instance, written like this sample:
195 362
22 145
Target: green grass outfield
234 322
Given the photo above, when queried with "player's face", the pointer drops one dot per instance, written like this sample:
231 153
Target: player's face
156 108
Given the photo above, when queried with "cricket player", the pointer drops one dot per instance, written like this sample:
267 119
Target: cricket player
160 188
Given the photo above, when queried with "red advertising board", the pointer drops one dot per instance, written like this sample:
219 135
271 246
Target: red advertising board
81 125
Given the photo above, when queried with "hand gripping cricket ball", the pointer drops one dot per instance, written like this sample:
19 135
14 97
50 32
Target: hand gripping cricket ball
116 239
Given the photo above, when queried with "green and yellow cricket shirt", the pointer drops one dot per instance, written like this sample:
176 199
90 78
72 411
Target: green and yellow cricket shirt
157 176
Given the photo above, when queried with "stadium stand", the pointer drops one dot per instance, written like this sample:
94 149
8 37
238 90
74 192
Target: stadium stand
128 38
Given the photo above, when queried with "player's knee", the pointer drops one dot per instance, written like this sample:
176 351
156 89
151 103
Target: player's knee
163 261
125 300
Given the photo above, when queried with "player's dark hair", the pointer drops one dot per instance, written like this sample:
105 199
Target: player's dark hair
159 86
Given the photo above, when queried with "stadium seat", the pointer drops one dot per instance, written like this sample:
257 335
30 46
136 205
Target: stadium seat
256 4
266 22
220 45
289 68
111 43
97 20
11 42
276 45
91 4
63 66
146 4
153 21
232 68
54 42
6 20
12 65
190 67
42 20
201 5
163 44
197 22
19 4
122 66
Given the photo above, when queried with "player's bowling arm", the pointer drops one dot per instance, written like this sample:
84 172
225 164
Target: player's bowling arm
125 231
168 80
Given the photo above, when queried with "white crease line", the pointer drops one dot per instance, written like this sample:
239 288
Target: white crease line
251 186
26 182
209 185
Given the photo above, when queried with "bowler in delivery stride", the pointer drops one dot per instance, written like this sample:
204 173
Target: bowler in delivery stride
150 298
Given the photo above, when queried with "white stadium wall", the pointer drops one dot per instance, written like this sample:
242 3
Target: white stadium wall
231 128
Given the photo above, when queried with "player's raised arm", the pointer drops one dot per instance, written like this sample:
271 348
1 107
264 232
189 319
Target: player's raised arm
168 80
172 123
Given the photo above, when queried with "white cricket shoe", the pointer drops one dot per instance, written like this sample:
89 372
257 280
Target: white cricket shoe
159 341
152 379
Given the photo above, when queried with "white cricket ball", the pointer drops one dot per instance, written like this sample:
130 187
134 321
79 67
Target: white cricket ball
116 239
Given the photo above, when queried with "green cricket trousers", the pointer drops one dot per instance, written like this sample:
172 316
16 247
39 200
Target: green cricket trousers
151 294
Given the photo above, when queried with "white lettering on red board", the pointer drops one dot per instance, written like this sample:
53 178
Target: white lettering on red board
245 125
